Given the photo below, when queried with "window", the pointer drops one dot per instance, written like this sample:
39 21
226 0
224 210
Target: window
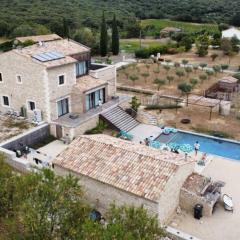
61 80
31 105
5 101
81 68
1 80
63 107
19 79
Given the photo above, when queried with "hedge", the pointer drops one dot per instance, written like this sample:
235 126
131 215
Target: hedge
147 52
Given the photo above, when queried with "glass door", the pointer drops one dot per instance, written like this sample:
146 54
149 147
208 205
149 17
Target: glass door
92 99
63 107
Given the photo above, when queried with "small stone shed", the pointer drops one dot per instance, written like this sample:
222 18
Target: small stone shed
114 170
197 189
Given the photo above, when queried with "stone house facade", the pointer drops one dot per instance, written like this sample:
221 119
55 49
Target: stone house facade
114 170
53 77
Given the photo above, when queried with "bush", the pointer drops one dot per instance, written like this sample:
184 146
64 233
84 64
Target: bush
147 52
237 75
101 126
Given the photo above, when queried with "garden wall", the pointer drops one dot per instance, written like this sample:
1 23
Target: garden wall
28 138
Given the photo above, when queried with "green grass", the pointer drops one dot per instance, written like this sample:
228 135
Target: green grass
131 45
188 27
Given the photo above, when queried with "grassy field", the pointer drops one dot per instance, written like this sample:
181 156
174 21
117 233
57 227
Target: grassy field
131 45
188 27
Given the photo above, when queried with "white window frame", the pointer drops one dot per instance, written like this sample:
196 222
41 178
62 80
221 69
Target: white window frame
28 105
17 78
64 75
1 81
7 106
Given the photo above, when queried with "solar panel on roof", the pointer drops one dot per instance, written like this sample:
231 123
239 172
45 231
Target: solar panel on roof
48 56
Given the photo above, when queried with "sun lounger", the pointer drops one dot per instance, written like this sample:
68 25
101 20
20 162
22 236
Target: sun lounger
228 203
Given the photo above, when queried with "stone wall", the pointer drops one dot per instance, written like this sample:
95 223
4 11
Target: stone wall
32 87
101 195
58 92
169 199
10 158
28 138
73 132
109 75
188 200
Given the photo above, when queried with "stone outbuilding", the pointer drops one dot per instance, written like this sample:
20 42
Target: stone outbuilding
198 189
114 170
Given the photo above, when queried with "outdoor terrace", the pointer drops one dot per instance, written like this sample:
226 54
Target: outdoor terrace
79 119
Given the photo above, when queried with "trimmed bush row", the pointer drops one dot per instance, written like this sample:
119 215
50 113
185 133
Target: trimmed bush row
147 52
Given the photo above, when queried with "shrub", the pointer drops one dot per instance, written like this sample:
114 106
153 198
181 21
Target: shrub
180 73
147 52
237 75
101 126
194 81
203 77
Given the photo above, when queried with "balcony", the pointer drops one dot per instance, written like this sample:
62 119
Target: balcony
74 120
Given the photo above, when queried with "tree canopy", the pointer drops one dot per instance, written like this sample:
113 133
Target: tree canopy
87 13
41 205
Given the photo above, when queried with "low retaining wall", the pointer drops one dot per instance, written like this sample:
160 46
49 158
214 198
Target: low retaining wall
16 163
28 138
176 234
137 90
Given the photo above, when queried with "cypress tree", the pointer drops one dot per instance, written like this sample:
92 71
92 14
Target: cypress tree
103 38
65 28
115 37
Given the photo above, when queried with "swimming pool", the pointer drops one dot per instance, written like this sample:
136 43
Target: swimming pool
211 145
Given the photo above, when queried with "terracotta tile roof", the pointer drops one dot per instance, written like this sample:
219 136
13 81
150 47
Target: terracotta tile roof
228 79
131 167
87 83
42 38
63 46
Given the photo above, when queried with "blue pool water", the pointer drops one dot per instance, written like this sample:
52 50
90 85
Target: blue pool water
209 145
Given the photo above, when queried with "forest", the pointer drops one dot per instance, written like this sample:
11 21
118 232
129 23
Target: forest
21 17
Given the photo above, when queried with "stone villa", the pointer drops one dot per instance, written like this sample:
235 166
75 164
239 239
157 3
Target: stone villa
54 81
111 169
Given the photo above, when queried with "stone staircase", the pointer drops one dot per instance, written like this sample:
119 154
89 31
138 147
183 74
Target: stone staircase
119 119
152 120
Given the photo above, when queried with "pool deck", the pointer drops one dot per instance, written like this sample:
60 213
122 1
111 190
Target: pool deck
222 225
143 131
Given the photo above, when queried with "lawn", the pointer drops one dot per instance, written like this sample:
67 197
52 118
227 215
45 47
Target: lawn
131 45
188 27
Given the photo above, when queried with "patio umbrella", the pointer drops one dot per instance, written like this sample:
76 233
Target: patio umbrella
187 148
155 144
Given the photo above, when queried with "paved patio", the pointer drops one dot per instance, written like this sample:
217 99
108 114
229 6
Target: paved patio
222 225
143 131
